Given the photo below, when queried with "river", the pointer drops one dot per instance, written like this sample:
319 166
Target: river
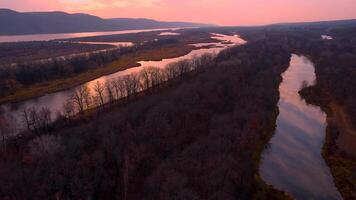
293 160
58 36
55 101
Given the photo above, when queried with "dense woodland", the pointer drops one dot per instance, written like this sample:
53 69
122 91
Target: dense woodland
208 125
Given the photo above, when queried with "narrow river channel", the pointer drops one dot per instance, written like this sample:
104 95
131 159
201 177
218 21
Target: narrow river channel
293 160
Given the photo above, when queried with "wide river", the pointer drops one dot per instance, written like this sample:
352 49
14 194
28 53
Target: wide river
58 36
55 101
293 160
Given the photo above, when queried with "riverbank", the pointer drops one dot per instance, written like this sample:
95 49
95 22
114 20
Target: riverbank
268 132
339 148
124 62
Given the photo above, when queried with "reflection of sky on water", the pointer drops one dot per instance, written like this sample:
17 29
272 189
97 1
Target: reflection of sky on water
57 36
168 33
293 162
117 44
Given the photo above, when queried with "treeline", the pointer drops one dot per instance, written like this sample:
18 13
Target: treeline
13 77
22 52
200 139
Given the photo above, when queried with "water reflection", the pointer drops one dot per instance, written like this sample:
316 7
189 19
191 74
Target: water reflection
117 44
326 37
168 33
47 37
293 162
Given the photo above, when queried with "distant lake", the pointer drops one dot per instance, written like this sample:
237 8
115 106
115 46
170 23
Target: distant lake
293 161
56 36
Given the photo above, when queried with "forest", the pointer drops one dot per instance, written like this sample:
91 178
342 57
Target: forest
207 124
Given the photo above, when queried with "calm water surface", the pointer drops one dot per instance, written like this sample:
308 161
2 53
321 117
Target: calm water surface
326 37
47 37
55 101
293 162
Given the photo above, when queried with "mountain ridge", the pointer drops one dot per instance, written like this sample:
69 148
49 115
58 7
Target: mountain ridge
24 23
318 23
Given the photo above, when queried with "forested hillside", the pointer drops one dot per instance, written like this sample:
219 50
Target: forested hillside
17 23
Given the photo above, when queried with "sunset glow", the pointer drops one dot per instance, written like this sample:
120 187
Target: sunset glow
222 12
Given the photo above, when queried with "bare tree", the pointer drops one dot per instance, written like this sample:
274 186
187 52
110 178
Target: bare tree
34 119
68 109
6 129
44 119
38 120
119 87
26 118
81 98
203 61
171 71
132 84
156 76
110 91
145 77
151 77
99 90
183 67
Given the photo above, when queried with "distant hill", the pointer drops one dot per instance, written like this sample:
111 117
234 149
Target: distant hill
17 23
320 24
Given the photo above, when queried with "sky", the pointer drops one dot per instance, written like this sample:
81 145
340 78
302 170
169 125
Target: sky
220 12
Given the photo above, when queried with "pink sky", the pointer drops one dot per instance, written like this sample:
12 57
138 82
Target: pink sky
222 12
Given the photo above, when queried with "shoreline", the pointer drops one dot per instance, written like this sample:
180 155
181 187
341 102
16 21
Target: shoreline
125 62
340 163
